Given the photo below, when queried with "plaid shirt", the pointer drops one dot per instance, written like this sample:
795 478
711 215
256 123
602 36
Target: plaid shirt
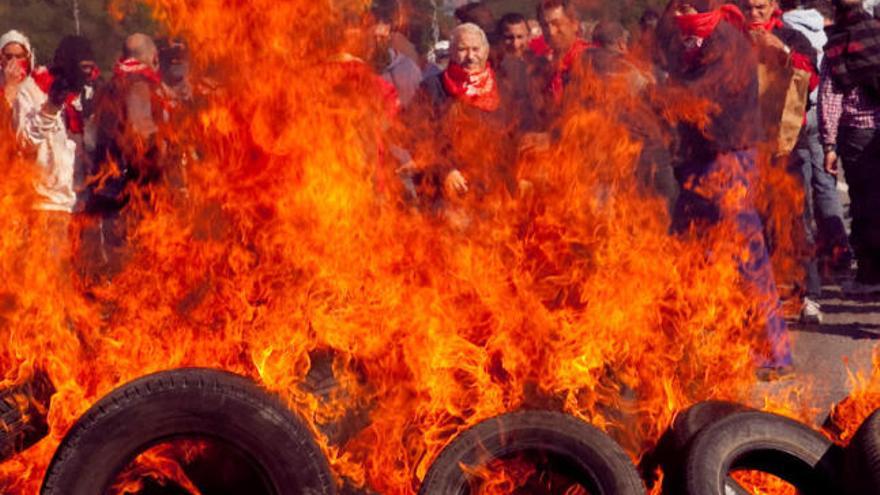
838 108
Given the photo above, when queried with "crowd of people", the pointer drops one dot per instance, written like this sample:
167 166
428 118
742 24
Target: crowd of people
796 82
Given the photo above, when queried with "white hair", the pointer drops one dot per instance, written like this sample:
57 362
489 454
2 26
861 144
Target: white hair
468 28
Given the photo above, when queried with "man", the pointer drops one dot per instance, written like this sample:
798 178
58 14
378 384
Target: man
16 62
517 72
129 151
708 55
561 28
821 200
787 59
609 59
39 113
395 67
471 138
849 113
514 34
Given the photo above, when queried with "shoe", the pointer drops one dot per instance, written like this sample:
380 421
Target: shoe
775 373
811 312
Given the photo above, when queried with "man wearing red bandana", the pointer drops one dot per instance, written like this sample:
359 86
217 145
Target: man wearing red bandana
129 113
708 55
561 28
471 134
782 52
787 74
129 152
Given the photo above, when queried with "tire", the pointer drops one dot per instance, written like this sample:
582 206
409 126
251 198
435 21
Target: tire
764 442
862 458
671 450
23 412
605 467
186 403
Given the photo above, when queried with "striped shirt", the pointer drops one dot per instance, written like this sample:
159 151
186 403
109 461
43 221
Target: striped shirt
839 108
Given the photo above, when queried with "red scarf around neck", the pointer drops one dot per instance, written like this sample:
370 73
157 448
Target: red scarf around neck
774 22
702 25
566 64
130 66
479 90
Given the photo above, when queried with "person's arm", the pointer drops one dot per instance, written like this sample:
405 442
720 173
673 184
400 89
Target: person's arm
34 120
830 112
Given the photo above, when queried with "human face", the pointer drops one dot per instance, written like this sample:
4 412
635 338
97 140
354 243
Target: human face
13 51
470 52
759 10
561 30
88 67
382 33
516 38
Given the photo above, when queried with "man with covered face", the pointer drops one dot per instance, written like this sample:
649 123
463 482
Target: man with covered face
709 55
44 115
16 63
469 133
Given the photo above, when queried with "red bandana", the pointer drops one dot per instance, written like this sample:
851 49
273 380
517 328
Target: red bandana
774 22
129 66
702 25
478 90
566 64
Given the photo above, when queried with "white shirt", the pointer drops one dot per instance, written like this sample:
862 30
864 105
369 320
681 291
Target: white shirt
44 138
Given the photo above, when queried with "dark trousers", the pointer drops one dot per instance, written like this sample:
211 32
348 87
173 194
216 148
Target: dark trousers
859 151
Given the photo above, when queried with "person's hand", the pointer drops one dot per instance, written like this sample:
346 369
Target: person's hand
831 162
58 92
455 182
14 72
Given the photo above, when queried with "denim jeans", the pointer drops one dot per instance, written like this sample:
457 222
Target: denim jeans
822 208
705 200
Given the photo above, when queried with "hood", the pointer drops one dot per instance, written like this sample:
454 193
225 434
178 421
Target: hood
17 37
806 19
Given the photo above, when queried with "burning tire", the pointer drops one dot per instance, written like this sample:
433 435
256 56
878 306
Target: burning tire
23 414
183 403
862 458
602 466
764 442
671 450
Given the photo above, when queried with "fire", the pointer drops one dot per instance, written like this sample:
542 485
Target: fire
570 294
763 484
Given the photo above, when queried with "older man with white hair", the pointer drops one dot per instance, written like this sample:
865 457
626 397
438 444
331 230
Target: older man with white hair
470 140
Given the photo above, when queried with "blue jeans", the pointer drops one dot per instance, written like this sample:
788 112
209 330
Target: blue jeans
823 205
705 201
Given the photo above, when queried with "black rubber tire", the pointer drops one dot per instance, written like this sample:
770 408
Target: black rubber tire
862 458
604 464
671 450
191 402
764 442
23 414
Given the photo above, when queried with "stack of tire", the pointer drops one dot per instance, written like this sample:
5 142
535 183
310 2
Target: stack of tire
706 443
710 440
